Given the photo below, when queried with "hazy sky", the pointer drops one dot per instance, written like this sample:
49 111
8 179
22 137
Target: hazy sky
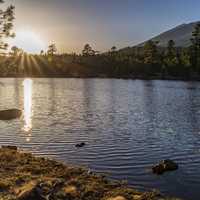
102 23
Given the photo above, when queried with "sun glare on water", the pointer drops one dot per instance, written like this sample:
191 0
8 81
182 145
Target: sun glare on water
28 83
29 41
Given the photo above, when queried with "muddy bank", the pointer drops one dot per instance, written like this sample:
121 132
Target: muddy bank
26 177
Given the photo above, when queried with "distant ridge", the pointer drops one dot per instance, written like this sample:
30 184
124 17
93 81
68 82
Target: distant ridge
180 34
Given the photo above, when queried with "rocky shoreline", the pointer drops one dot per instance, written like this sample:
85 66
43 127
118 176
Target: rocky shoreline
26 177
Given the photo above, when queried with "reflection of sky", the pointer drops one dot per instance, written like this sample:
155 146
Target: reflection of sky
27 106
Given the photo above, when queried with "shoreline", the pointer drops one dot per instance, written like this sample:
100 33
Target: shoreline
153 78
27 177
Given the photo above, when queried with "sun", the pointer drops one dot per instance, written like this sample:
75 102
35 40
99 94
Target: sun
29 41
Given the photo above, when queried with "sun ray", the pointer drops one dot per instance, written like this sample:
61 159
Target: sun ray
29 66
21 64
45 64
36 65
15 62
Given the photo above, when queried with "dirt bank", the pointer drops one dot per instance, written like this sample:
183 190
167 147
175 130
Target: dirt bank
26 177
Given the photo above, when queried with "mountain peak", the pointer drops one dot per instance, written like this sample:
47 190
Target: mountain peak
181 35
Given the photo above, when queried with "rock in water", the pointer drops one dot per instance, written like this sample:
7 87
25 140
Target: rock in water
164 166
10 114
82 144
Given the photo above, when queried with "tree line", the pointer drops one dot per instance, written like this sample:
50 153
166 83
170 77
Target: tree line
150 60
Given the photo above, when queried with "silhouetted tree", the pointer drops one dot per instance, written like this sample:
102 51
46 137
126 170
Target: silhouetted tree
171 50
113 52
195 48
113 49
6 25
51 49
42 52
15 51
150 52
185 58
88 51
171 55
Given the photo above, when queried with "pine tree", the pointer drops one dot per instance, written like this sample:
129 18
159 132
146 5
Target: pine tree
195 48
150 52
6 25
88 51
171 55
52 49
113 49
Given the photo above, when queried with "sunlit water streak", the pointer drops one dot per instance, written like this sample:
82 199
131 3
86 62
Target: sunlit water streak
127 126
28 85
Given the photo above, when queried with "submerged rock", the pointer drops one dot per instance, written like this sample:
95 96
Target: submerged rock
10 114
82 144
164 166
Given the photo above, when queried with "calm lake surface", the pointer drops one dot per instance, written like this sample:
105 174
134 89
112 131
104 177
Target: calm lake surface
128 125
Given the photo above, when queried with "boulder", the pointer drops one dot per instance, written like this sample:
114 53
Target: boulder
164 166
10 114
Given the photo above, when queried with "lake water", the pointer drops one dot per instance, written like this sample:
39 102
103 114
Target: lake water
127 125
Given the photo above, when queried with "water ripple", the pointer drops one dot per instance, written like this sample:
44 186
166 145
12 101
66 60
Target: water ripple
127 126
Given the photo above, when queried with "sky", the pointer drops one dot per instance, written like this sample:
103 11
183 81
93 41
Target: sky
102 23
